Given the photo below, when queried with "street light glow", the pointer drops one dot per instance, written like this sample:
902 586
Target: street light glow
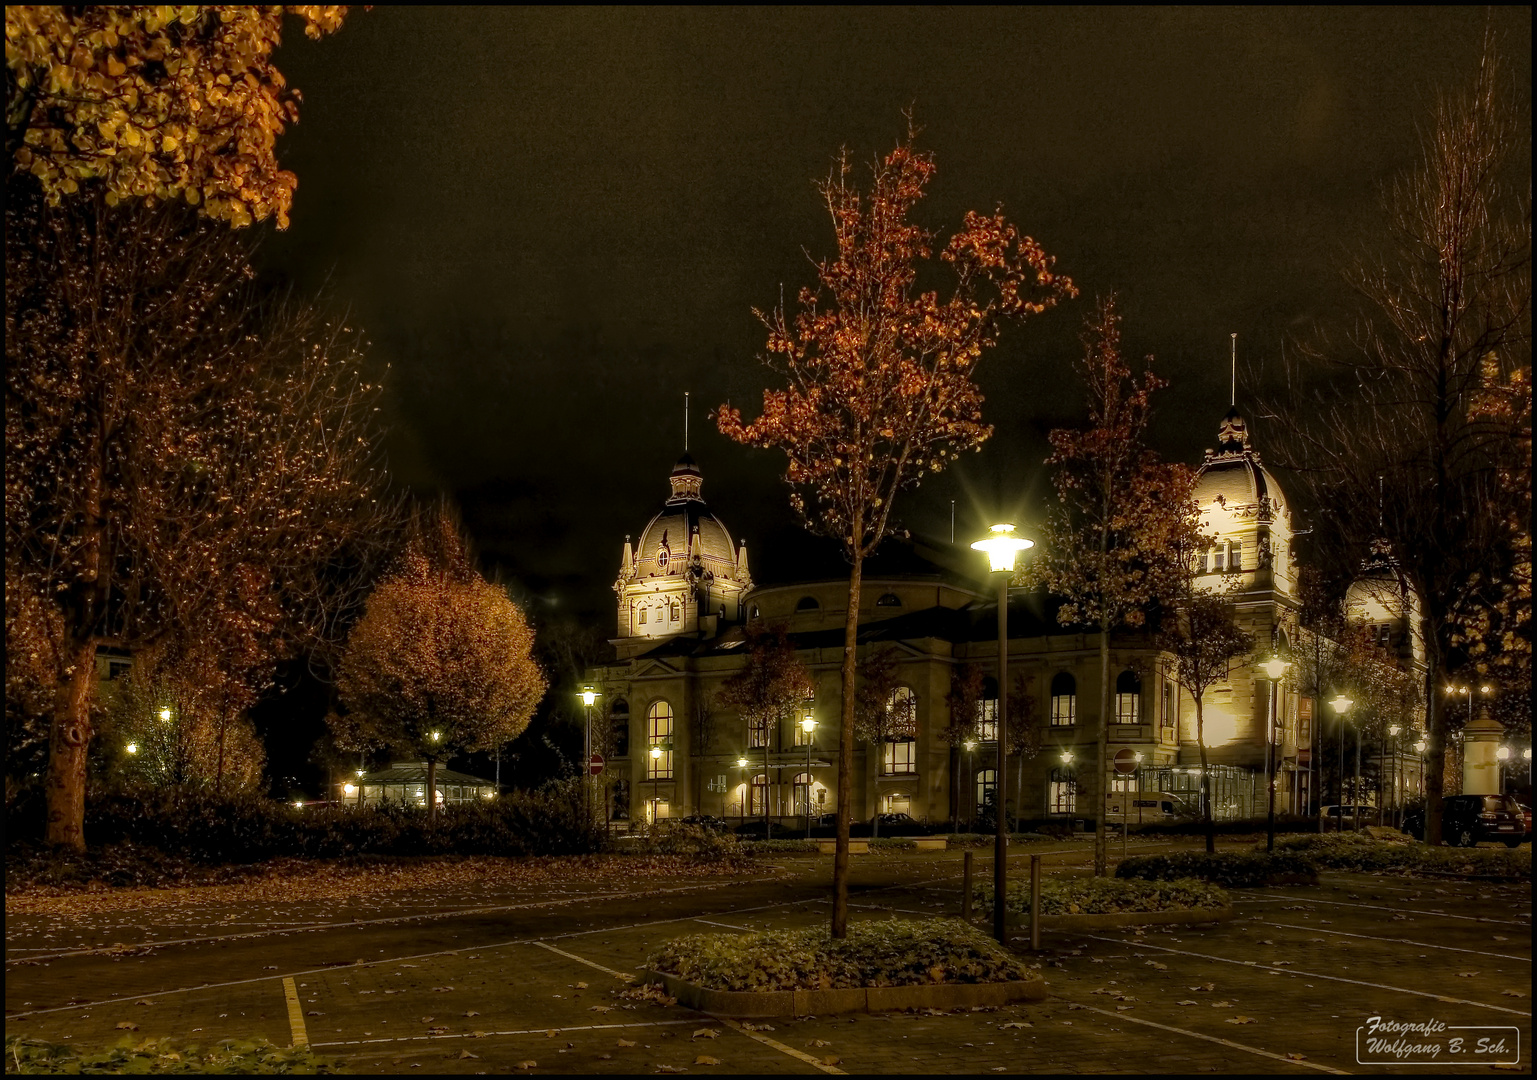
133 748
1503 753
1341 703
165 714
589 695
1002 548
1420 746
1275 667
808 724
1394 729
349 789
656 752
436 735
741 762
1067 757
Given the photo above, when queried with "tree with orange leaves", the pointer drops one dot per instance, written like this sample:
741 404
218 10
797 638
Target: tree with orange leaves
155 102
879 376
1123 517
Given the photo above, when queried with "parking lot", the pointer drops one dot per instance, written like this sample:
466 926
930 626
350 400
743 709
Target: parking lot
481 977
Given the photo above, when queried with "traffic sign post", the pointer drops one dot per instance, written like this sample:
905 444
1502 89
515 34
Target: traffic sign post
595 765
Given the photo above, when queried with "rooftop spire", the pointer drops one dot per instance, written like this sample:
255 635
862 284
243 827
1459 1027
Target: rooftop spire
685 421
1233 400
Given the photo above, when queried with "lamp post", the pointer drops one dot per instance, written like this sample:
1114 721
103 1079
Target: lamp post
1341 705
656 780
1274 668
1002 549
1393 730
588 696
1527 753
1502 755
360 788
1137 797
1420 749
741 763
970 772
808 725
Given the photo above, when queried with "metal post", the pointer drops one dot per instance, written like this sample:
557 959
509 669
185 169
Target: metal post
1270 770
1355 814
808 785
966 886
1001 838
1035 902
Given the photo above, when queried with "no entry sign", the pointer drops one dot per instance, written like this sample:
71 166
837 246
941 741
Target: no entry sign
1125 762
595 764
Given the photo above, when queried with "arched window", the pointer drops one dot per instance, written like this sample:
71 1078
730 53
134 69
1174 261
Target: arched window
801 799
641 619
1219 558
619 721
1064 700
1064 791
659 735
890 599
757 796
753 613
672 611
902 714
1128 698
1235 555
662 556
807 603
987 711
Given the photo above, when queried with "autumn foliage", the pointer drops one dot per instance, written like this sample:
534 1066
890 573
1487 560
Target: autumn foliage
156 102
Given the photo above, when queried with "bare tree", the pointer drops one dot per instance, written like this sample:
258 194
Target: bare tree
180 450
1391 427
767 691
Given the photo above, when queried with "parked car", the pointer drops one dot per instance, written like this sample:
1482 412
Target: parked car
1469 820
705 821
1352 817
826 826
754 830
1526 812
899 825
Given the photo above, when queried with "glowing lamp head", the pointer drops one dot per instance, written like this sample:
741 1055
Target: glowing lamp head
1275 667
1486 689
298 804
1341 703
132 748
741 763
808 724
1393 730
1067 757
488 794
1137 757
165 714
1419 747
360 774
1527 753
435 736
1503 753
971 744
589 696
1002 547
349 789
656 752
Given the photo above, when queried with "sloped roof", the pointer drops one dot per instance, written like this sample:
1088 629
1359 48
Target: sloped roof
415 772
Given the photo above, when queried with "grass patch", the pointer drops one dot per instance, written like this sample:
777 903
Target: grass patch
1352 851
1230 869
163 1056
894 952
1109 896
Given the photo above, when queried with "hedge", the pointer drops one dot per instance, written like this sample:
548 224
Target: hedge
1103 896
1350 851
1231 869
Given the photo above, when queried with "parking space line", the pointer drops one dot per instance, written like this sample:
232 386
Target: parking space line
1381 907
727 926
1310 974
1229 1043
295 1014
544 1031
1398 940
799 1055
622 976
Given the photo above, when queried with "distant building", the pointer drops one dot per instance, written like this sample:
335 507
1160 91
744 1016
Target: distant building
686 603
406 782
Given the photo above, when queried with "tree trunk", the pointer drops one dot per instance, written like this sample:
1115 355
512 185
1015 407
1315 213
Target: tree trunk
432 791
840 926
1200 739
766 788
1435 737
69 735
1102 752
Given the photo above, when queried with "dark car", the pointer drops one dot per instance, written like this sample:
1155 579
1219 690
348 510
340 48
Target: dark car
754 830
705 821
1468 820
899 825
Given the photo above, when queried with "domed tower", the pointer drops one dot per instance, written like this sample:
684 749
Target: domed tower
685 575
1245 517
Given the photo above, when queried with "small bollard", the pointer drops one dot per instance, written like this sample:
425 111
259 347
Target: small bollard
966 887
1035 903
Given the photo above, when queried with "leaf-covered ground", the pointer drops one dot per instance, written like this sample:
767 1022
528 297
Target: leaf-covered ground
891 952
1105 896
163 1056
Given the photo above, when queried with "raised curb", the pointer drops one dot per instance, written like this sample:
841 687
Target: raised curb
856 847
1114 919
930 843
857 999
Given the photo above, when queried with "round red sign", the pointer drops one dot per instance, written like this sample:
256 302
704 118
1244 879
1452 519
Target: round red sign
595 764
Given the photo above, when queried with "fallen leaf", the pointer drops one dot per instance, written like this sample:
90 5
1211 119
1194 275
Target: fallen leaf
1187 1001
472 1012
427 1019
1122 1008
1466 974
1014 1024
528 1065
832 1059
125 1025
669 1069
1205 986
625 1042
441 989
757 1027
144 1001
314 1012
1241 1020
706 1059
1156 964
707 1033
1297 1057
600 1008
581 986
1512 993
463 1054
819 1042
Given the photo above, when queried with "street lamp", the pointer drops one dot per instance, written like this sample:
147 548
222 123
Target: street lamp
1502 755
1419 748
741 763
1393 777
588 696
656 780
1274 668
165 714
1341 705
971 772
133 748
1002 548
808 725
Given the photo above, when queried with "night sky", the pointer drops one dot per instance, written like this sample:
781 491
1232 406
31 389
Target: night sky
552 222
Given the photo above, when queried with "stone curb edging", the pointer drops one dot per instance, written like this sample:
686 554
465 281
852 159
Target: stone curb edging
857 999
1112 920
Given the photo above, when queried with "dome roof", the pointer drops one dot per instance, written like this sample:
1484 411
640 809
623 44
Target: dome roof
664 547
1233 474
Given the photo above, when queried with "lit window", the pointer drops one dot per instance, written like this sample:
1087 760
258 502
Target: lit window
757 803
661 559
1128 698
889 600
1218 559
902 707
901 757
1168 704
1064 792
659 733
642 619
1235 555
1064 700
987 785
987 717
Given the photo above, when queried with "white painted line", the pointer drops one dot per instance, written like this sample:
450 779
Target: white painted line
1230 1044
1309 974
1396 940
620 975
1381 907
727 926
295 1014
799 1055
488 1034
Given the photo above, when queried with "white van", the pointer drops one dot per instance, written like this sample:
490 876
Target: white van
1154 806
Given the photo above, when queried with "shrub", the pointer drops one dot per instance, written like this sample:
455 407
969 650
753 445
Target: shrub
678 838
1232 869
1353 851
782 847
162 1056
895 952
1235 827
1106 896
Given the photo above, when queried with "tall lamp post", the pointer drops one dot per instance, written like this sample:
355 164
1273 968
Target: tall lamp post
1420 749
741 763
1393 730
808 725
588 696
656 780
1502 755
1274 668
969 773
1341 705
1002 549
